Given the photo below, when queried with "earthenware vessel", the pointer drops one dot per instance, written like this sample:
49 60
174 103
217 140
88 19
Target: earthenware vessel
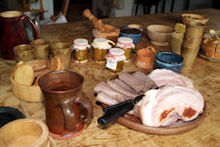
169 61
68 110
145 58
14 32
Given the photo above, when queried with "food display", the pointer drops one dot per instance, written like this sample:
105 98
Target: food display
126 74
170 98
127 45
115 60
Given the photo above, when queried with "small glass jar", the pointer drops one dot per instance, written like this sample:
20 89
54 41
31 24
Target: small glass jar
81 46
101 47
115 60
127 45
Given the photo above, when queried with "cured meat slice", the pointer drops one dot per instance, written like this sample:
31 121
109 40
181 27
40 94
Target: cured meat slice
134 83
104 87
167 77
165 106
149 83
106 99
121 87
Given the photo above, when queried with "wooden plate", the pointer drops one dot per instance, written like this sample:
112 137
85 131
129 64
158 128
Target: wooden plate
134 123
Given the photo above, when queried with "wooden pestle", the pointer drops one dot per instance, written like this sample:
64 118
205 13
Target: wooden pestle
96 22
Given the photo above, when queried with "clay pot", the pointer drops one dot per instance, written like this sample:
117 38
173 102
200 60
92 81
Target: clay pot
159 34
145 58
65 103
25 133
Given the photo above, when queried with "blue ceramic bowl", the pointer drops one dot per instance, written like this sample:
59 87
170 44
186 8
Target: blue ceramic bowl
169 61
129 32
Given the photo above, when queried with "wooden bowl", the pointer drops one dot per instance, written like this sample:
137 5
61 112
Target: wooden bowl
26 93
159 34
108 35
25 133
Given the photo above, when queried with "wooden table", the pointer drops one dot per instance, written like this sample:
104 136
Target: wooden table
205 74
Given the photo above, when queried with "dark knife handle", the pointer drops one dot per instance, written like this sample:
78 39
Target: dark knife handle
114 114
115 107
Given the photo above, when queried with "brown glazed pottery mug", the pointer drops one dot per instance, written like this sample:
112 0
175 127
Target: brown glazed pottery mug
68 110
13 32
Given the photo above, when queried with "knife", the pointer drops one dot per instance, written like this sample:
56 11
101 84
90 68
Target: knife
115 111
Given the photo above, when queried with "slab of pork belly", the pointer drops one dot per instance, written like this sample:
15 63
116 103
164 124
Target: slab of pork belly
121 87
105 88
149 83
167 77
165 106
133 82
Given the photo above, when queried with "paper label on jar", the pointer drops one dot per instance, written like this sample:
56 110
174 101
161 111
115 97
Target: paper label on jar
111 64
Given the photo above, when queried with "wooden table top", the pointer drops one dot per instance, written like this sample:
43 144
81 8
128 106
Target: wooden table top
205 74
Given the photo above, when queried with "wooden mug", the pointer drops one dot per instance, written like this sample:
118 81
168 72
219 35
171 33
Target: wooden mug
24 52
65 103
41 48
62 50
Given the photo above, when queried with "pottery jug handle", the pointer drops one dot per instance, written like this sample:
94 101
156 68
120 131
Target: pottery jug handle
68 113
87 105
152 49
34 27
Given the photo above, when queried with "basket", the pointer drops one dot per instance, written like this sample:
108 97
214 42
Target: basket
26 93
211 48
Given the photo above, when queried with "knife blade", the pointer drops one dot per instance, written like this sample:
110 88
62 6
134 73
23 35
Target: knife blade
115 111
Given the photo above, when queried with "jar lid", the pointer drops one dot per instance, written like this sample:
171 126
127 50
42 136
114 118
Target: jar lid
116 51
125 40
102 43
81 41
100 40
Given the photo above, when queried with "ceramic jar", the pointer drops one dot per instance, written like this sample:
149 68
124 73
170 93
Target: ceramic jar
115 60
127 45
145 58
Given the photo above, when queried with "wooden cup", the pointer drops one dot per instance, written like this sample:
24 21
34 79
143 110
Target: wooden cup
191 44
176 42
62 50
41 48
24 52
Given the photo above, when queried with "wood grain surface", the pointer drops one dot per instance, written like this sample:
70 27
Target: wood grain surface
205 74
